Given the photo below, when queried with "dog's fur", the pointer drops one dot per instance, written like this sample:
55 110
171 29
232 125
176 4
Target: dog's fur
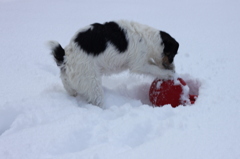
111 48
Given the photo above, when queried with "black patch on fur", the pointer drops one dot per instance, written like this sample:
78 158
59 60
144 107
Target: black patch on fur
94 41
58 53
170 46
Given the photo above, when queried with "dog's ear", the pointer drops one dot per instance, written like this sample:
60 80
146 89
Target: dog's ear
170 46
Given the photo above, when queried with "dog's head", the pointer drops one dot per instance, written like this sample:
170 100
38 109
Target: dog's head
170 50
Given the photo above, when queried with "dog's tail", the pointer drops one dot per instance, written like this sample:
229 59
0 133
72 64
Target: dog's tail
57 52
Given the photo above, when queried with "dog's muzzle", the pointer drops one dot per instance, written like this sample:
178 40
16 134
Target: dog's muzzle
166 64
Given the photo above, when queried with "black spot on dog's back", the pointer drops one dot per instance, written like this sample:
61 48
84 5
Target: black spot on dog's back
116 36
94 41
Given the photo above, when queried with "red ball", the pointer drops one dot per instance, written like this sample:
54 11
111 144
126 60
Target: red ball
164 92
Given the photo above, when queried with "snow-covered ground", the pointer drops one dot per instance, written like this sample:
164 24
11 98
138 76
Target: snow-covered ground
38 119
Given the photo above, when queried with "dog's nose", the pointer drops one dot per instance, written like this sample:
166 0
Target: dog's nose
166 63
167 66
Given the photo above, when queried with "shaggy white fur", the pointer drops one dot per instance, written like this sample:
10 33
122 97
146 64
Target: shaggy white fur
81 73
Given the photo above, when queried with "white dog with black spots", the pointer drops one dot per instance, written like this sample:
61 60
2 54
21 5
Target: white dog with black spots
112 47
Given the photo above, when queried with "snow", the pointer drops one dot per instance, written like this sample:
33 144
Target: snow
38 119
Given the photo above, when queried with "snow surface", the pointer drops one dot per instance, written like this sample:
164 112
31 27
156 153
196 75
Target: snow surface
38 119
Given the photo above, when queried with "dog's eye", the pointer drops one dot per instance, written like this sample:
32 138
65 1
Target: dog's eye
167 53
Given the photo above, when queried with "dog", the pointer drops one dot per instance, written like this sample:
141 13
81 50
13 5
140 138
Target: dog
112 47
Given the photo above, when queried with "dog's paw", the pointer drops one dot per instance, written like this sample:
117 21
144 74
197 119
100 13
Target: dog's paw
98 102
167 75
96 99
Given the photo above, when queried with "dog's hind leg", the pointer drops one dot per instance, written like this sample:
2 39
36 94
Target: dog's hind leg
94 92
66 84
87 82
91 89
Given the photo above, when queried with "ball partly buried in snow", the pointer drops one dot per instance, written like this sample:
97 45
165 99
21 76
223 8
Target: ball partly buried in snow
174 92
